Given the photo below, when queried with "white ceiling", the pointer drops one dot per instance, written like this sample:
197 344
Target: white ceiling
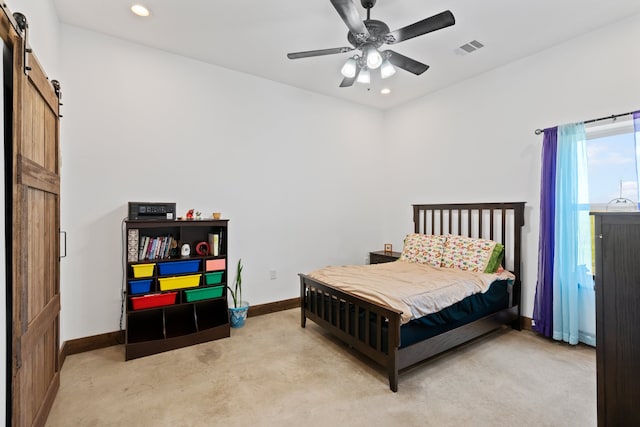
254 36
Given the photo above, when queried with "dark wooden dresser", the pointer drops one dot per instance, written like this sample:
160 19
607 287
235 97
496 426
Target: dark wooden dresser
617 241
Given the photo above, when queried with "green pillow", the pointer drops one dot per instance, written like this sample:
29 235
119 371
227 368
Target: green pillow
495 259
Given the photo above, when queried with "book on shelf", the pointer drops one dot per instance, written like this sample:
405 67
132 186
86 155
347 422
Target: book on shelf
152 252
159 247
162 246
163 249
147 248
152 248
144 242
214 244
167 249
156 252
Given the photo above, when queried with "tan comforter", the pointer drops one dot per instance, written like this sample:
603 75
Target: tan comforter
415 289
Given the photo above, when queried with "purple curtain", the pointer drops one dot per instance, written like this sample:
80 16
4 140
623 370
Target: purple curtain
636 131
543 304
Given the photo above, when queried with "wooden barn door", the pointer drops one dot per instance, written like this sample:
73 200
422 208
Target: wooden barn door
34 235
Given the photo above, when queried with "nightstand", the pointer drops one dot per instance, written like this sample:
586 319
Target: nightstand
378 257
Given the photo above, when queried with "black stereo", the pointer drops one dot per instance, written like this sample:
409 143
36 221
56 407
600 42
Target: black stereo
147 210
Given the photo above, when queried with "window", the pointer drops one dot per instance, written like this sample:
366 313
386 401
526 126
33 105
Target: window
612 166
612 169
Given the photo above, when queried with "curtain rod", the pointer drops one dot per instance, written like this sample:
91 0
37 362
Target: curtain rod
613 116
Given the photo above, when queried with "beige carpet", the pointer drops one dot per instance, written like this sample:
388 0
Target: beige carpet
274 373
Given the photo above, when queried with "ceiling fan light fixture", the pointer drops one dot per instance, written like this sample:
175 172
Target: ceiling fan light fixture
349 68
364 77
387 69
374 59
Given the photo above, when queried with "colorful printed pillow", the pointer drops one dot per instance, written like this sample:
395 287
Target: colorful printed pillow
423 249
468 253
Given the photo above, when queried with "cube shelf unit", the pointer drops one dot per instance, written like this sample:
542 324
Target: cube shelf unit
174 302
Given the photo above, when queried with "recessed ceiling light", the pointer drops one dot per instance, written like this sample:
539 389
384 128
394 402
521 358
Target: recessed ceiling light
140 10
385 91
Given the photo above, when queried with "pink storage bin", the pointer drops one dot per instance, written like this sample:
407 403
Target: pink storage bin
215 264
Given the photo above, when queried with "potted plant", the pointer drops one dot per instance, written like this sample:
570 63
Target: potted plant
238 313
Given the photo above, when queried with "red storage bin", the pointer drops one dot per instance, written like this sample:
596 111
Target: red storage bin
153 300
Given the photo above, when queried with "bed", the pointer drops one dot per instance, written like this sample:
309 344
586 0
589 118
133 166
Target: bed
378 330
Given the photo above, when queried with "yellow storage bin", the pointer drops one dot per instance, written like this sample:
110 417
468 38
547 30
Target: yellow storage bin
179 282
143 270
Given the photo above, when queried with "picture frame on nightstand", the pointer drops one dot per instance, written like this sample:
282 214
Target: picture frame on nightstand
388 248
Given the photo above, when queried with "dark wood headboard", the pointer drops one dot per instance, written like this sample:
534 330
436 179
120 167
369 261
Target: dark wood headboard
501 222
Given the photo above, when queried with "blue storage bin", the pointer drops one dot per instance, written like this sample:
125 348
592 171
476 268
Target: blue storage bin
179 267
139 286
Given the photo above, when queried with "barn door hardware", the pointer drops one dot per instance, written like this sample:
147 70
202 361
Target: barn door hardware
10 17
21 20
58 90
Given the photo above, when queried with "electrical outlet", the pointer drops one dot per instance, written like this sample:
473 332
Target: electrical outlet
273 275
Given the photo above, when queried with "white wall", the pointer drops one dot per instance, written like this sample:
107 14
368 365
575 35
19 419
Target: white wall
474 141
295 172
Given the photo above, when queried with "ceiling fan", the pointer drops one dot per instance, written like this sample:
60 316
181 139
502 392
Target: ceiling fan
368 36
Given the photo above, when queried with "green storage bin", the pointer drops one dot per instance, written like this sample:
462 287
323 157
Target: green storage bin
204 293
213 278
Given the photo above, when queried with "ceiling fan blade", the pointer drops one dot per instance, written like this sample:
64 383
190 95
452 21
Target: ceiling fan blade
349 14
319 52
436 22
348 81
408 64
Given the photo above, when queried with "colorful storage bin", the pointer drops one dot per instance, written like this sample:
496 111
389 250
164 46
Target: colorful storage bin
168 283
143 270
139 286
213 278
204 293
215 264
178 267
153 300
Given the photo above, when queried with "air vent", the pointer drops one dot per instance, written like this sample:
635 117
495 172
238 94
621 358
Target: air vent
471 46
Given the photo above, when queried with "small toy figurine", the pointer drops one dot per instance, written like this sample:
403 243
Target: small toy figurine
185 251
198 215
173 252
189 214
